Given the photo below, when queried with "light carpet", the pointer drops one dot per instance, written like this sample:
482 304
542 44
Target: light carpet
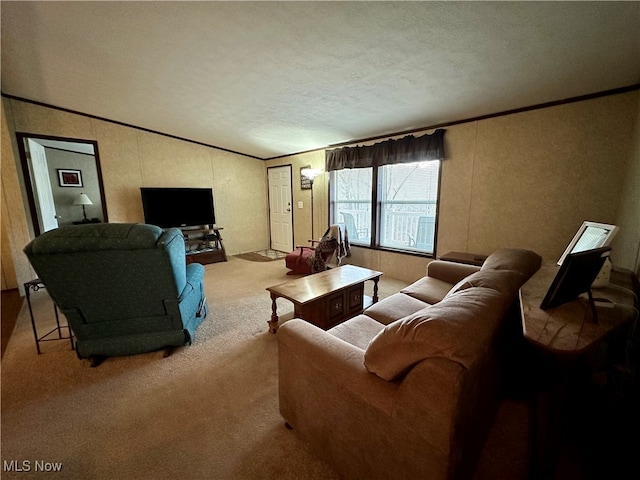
262 255
209 410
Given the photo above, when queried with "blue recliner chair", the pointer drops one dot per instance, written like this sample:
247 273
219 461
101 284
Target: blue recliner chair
124 288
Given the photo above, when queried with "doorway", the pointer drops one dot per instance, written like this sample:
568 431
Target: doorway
280 208
63 181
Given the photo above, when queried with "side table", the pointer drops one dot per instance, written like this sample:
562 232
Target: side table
36 285
463 257
564 340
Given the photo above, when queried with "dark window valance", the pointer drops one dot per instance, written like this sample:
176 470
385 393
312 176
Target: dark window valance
404 150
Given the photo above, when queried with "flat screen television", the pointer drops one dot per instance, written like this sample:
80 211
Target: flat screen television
178 207
575 276
590 235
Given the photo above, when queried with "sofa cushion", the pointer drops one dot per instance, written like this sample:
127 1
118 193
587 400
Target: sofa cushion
427 289
450 272
394 307
357 331
524 261
505 281
456 328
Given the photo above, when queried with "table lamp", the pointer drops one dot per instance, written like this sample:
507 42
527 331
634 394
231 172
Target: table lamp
83 200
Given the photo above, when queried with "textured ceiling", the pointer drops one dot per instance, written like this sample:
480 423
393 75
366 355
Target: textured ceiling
274 78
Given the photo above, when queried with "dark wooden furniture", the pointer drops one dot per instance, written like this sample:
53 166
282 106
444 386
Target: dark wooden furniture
463 257
326 298
571 328
36 285
565 341
204 245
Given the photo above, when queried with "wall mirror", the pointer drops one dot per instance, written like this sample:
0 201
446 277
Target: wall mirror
63 181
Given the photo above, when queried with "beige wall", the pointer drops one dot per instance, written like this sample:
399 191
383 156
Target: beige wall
15 234
627 243
523 180
131 158
529 180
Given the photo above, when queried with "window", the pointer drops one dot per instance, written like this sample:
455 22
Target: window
398 214
351 189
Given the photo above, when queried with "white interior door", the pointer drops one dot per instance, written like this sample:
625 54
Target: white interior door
280 208
43 195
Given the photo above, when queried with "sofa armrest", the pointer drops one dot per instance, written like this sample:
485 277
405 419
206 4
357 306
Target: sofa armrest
426 399
195 273
450 272
329 364
194 277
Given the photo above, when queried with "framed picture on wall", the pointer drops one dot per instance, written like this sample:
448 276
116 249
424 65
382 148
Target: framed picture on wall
69 178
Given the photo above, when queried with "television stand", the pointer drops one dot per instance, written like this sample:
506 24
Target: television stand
204 245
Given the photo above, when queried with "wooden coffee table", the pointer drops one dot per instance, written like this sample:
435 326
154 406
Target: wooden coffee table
326 298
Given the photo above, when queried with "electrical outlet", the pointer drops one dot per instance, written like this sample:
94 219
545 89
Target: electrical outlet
300 205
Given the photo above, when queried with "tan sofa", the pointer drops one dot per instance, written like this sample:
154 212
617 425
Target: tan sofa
409 389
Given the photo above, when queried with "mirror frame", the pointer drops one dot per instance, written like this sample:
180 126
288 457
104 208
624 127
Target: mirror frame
22 137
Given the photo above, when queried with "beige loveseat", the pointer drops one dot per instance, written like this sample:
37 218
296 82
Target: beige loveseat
409 389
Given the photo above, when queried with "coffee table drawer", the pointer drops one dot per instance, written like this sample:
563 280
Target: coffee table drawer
355 297
335 307
343 305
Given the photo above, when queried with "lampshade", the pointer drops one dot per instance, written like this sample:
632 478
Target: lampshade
82 199
310 173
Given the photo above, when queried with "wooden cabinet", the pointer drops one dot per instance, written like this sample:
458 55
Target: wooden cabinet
204 245
333 309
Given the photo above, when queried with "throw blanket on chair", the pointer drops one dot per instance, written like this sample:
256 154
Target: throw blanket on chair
323 253
335 232
314 259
